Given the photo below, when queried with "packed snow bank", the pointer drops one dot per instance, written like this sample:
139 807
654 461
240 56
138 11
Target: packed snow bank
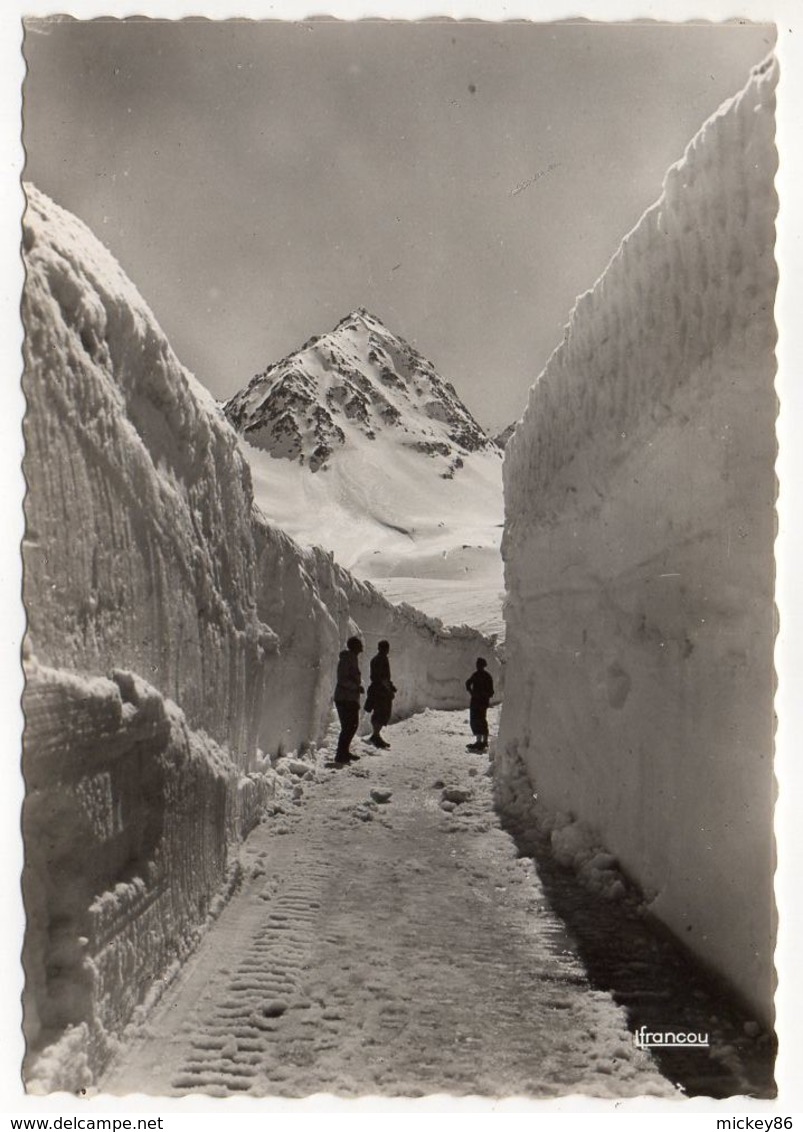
638 553
138 549
126 823
177 642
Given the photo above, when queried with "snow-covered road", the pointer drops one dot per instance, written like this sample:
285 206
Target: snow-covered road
386 947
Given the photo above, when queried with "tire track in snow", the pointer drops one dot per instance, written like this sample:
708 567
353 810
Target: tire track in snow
215 1031
232 1048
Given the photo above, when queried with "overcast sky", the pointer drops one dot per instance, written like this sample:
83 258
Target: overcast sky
464 181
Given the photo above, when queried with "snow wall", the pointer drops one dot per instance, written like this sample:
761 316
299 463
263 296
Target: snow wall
176 643
638 547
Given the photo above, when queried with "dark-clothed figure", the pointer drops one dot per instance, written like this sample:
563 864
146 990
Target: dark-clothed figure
481 686
381 691
347 697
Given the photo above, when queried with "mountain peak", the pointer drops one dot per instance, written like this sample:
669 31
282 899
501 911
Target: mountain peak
361 313
349 387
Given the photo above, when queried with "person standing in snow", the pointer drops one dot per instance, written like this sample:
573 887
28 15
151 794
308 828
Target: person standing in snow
480 685
347 698
381 691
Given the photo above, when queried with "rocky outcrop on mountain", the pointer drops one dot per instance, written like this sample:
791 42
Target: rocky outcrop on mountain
349 386
501 439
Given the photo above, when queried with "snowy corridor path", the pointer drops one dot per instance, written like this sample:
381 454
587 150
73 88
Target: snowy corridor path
389 948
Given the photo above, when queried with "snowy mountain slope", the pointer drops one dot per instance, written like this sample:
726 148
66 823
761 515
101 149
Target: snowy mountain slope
356 444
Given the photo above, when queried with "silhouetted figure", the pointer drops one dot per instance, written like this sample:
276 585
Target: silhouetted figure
481 687
347 698
381 691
